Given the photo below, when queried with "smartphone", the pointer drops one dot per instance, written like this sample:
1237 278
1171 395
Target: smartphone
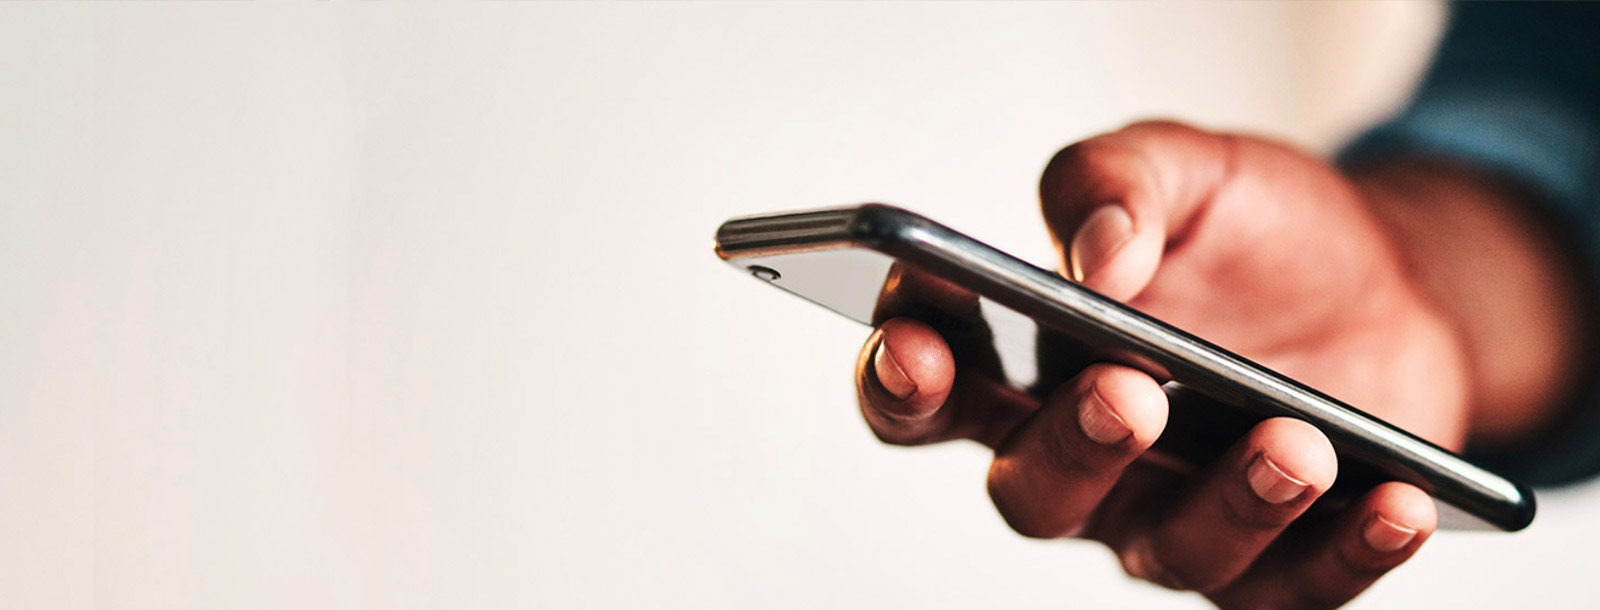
1033 329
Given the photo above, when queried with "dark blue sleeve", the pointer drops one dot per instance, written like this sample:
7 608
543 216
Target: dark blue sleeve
1515 88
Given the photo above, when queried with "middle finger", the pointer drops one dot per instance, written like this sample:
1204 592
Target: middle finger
1235 509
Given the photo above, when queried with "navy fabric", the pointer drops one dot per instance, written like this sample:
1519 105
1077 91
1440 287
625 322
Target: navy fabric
1515 87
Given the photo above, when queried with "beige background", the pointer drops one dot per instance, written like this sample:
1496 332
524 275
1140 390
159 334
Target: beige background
414 307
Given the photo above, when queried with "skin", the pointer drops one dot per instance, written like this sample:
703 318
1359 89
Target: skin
1357 284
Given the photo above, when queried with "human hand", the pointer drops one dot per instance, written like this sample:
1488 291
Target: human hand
1265 251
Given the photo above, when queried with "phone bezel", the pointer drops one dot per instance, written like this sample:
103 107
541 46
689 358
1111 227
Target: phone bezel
1162 349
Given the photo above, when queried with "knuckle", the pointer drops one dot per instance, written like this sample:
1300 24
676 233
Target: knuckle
1077 157
1141 559
1022 516
1029 526
1196 576
1183 568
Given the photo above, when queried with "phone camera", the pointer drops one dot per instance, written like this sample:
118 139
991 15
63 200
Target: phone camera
764 273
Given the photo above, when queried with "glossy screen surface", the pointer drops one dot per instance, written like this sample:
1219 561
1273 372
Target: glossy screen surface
869 287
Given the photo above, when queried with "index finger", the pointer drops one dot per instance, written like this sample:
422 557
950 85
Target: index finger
912 392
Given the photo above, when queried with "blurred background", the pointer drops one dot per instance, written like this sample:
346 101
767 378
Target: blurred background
415 306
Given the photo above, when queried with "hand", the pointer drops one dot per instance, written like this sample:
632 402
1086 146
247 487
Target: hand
1272 254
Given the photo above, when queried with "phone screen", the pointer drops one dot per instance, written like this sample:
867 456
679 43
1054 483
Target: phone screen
871 287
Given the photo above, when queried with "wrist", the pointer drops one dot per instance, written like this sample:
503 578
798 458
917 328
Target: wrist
1474 250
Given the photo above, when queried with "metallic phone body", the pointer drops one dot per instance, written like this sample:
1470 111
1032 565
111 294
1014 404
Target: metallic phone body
835 256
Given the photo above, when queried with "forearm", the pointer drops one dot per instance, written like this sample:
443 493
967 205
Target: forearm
1475 248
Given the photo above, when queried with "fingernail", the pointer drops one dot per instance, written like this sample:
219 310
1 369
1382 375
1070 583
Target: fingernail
1386 536
1102 234
893 378
1099 423
1270 482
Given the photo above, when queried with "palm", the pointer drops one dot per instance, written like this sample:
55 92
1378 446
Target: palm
1295 274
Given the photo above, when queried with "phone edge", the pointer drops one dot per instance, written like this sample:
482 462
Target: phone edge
905 234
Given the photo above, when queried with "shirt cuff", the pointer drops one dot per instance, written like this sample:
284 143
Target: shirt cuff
1552 149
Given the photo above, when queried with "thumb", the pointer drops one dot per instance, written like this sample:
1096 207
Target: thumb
1116 203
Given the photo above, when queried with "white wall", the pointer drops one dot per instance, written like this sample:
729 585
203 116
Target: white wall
414 306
